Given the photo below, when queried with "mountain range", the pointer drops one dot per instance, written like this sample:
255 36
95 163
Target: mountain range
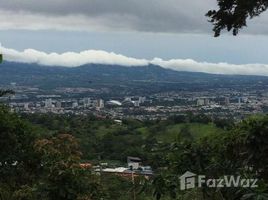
151 77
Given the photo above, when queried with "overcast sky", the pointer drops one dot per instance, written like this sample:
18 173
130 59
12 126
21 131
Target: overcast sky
141 29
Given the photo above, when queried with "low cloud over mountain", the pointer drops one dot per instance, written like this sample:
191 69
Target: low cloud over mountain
72 59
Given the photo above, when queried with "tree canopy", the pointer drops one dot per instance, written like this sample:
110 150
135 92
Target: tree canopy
232 15
6 92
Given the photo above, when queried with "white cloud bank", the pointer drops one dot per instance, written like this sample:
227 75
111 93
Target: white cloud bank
72 59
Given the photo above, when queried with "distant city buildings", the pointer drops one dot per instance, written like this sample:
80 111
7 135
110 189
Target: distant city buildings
222 103
203 102
100 104
227 101
48 103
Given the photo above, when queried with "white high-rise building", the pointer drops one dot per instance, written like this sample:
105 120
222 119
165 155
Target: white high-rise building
207 102
200 102
74 104
239 101
227 101
48 103
100 103
26 106
87 102
142 99
58 104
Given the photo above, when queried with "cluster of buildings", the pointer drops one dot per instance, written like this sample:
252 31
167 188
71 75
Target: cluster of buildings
133 168
223 103
55 105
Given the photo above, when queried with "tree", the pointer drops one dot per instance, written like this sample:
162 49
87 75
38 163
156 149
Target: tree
241 151
233 14
254 149
63 178
6 92
18 162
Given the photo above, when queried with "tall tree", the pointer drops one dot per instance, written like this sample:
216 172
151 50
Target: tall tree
63 178
18 162
233 14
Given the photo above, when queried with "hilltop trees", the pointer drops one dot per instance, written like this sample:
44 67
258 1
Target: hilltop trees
18 164
232 15
242 151
62 177
34 166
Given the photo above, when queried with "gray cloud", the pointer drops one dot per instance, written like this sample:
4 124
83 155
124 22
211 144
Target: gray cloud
137 15
72 59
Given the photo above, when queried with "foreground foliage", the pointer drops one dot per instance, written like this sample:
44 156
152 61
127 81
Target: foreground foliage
233 14
242 151
41 156
33 167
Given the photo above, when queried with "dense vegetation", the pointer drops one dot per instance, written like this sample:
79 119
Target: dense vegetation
41 156
232 15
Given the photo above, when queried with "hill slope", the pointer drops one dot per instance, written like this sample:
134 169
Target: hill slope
149 77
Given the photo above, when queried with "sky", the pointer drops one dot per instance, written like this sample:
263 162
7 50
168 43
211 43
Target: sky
172 33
